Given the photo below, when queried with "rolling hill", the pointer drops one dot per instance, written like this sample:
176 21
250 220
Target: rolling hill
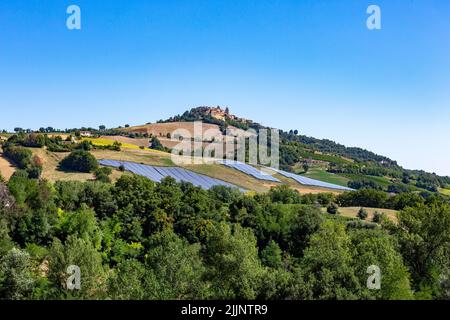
322 160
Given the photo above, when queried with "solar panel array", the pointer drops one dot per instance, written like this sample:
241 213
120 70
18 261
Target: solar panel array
158 173
310 182
248 169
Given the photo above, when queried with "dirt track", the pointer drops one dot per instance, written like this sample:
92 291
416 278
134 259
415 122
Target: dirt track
6 168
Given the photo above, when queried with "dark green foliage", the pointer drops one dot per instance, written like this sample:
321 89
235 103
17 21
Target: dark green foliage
85 145
284 194
333 208
136 239
234 269
362 214
364 183
424 237
20 156
81 253
102 174
378 217
304 225
365 197
155 144
271 256
80 161
16 281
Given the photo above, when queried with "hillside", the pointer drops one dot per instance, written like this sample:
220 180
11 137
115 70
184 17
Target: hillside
320 159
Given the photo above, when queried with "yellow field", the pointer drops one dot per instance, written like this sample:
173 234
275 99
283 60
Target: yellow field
445 191
109 142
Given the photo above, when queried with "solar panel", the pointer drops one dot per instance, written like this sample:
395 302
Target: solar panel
310 182
248 169
156 174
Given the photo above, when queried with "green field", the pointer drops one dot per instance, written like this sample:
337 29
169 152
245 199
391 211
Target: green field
324 157
384 182
445 191
322 175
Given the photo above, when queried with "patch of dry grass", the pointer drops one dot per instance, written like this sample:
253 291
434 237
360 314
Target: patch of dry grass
352 212
7 169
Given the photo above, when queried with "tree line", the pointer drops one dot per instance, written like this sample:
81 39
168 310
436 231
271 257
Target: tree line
136 239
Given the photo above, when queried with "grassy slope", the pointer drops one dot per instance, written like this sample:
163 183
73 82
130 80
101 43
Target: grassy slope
445 191
133 153
351 212
6 167
322 175
233 176
52 159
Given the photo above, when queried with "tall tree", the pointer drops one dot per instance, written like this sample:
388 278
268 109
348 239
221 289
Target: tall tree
234 268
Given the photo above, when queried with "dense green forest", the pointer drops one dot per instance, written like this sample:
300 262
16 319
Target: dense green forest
137 239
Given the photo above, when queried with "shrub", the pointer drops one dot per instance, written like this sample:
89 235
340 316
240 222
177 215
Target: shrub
362 214
156 144
102 174
79 160
378 217
333 208
19 155
85 145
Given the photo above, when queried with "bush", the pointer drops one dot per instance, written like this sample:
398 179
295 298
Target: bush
102 174
20 156
155 144
85 145
80 161
364 183
378 217
362 214
333 208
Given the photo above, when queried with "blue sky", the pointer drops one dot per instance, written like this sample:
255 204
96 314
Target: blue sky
309 65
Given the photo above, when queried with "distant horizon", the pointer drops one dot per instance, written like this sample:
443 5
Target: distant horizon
308 65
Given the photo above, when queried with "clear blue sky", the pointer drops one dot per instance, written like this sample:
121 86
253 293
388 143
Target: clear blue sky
309 65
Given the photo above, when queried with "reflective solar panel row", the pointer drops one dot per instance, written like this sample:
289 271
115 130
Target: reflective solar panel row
309 181
158 173
248 169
